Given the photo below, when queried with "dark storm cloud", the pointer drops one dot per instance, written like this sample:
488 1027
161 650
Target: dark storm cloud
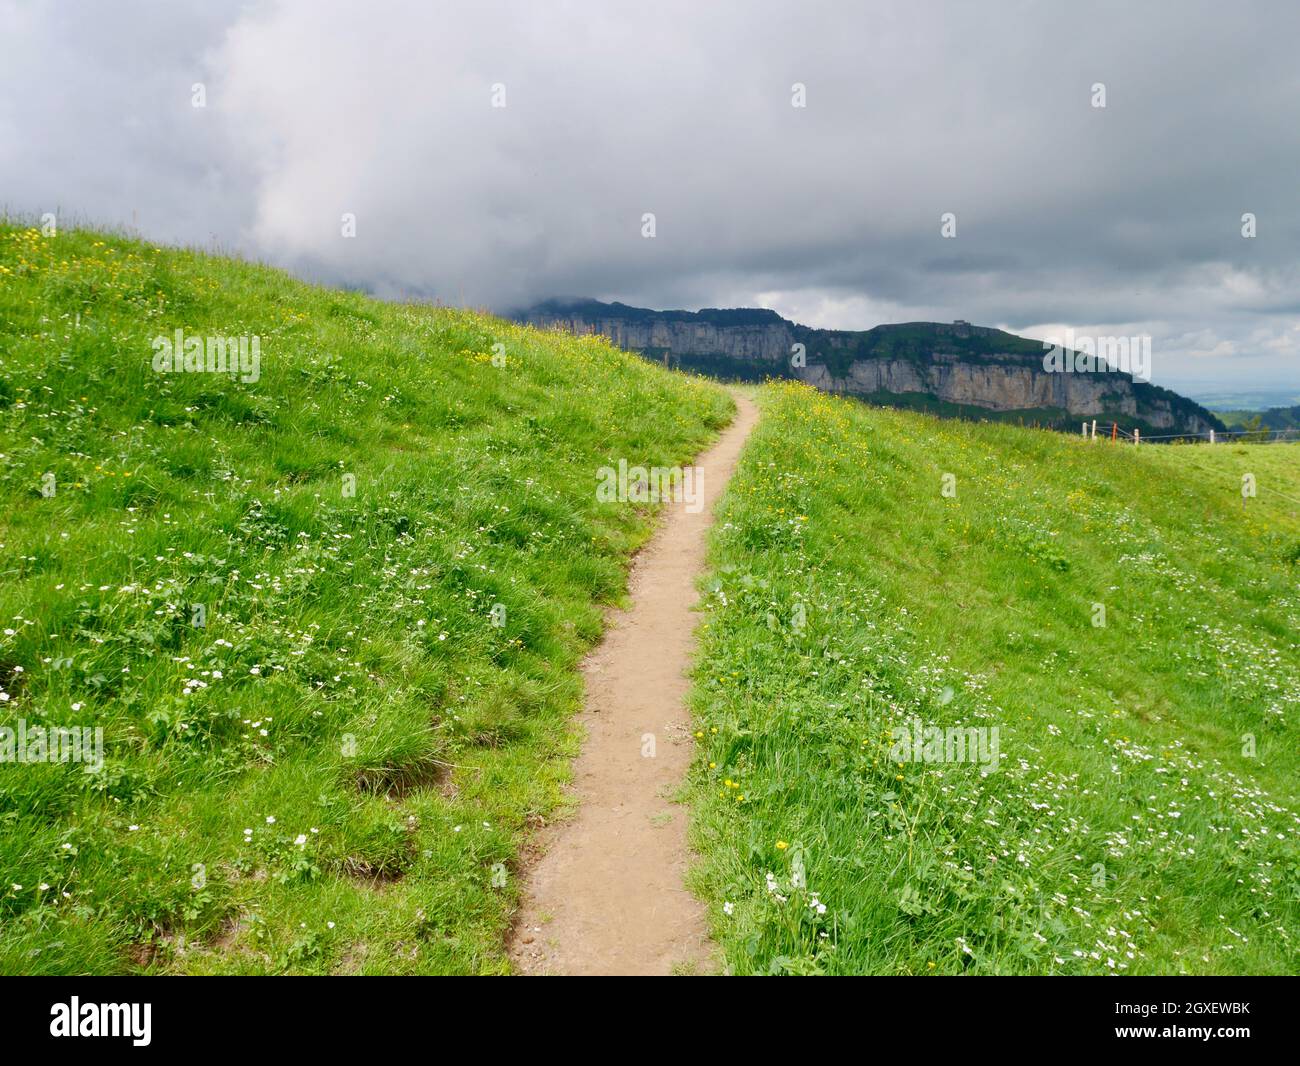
1119 220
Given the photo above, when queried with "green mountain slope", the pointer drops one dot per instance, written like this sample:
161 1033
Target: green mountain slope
1128 627
321 743
1274 418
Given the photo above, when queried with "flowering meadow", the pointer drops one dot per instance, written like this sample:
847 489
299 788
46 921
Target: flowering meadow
327 615
1128 625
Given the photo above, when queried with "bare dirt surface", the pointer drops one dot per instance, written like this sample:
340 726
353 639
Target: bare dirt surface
606 896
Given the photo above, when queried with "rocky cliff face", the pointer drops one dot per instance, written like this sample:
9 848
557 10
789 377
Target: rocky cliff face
1007 387
939 365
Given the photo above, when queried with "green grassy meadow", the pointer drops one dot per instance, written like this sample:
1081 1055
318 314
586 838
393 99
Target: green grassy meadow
1141 817
328 620
329 615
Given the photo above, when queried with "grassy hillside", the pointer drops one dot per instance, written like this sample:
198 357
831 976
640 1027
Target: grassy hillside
1140 817
276 597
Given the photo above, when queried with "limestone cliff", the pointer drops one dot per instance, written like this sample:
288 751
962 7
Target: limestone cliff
955 368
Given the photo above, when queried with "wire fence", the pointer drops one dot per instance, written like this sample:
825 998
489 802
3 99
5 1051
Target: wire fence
1241 436
1251 436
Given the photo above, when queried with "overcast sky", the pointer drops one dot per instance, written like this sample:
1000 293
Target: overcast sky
1119 220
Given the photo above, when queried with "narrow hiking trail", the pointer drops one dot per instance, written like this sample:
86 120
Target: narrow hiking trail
607 896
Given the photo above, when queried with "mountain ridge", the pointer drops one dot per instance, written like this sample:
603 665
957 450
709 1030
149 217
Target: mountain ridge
954 369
